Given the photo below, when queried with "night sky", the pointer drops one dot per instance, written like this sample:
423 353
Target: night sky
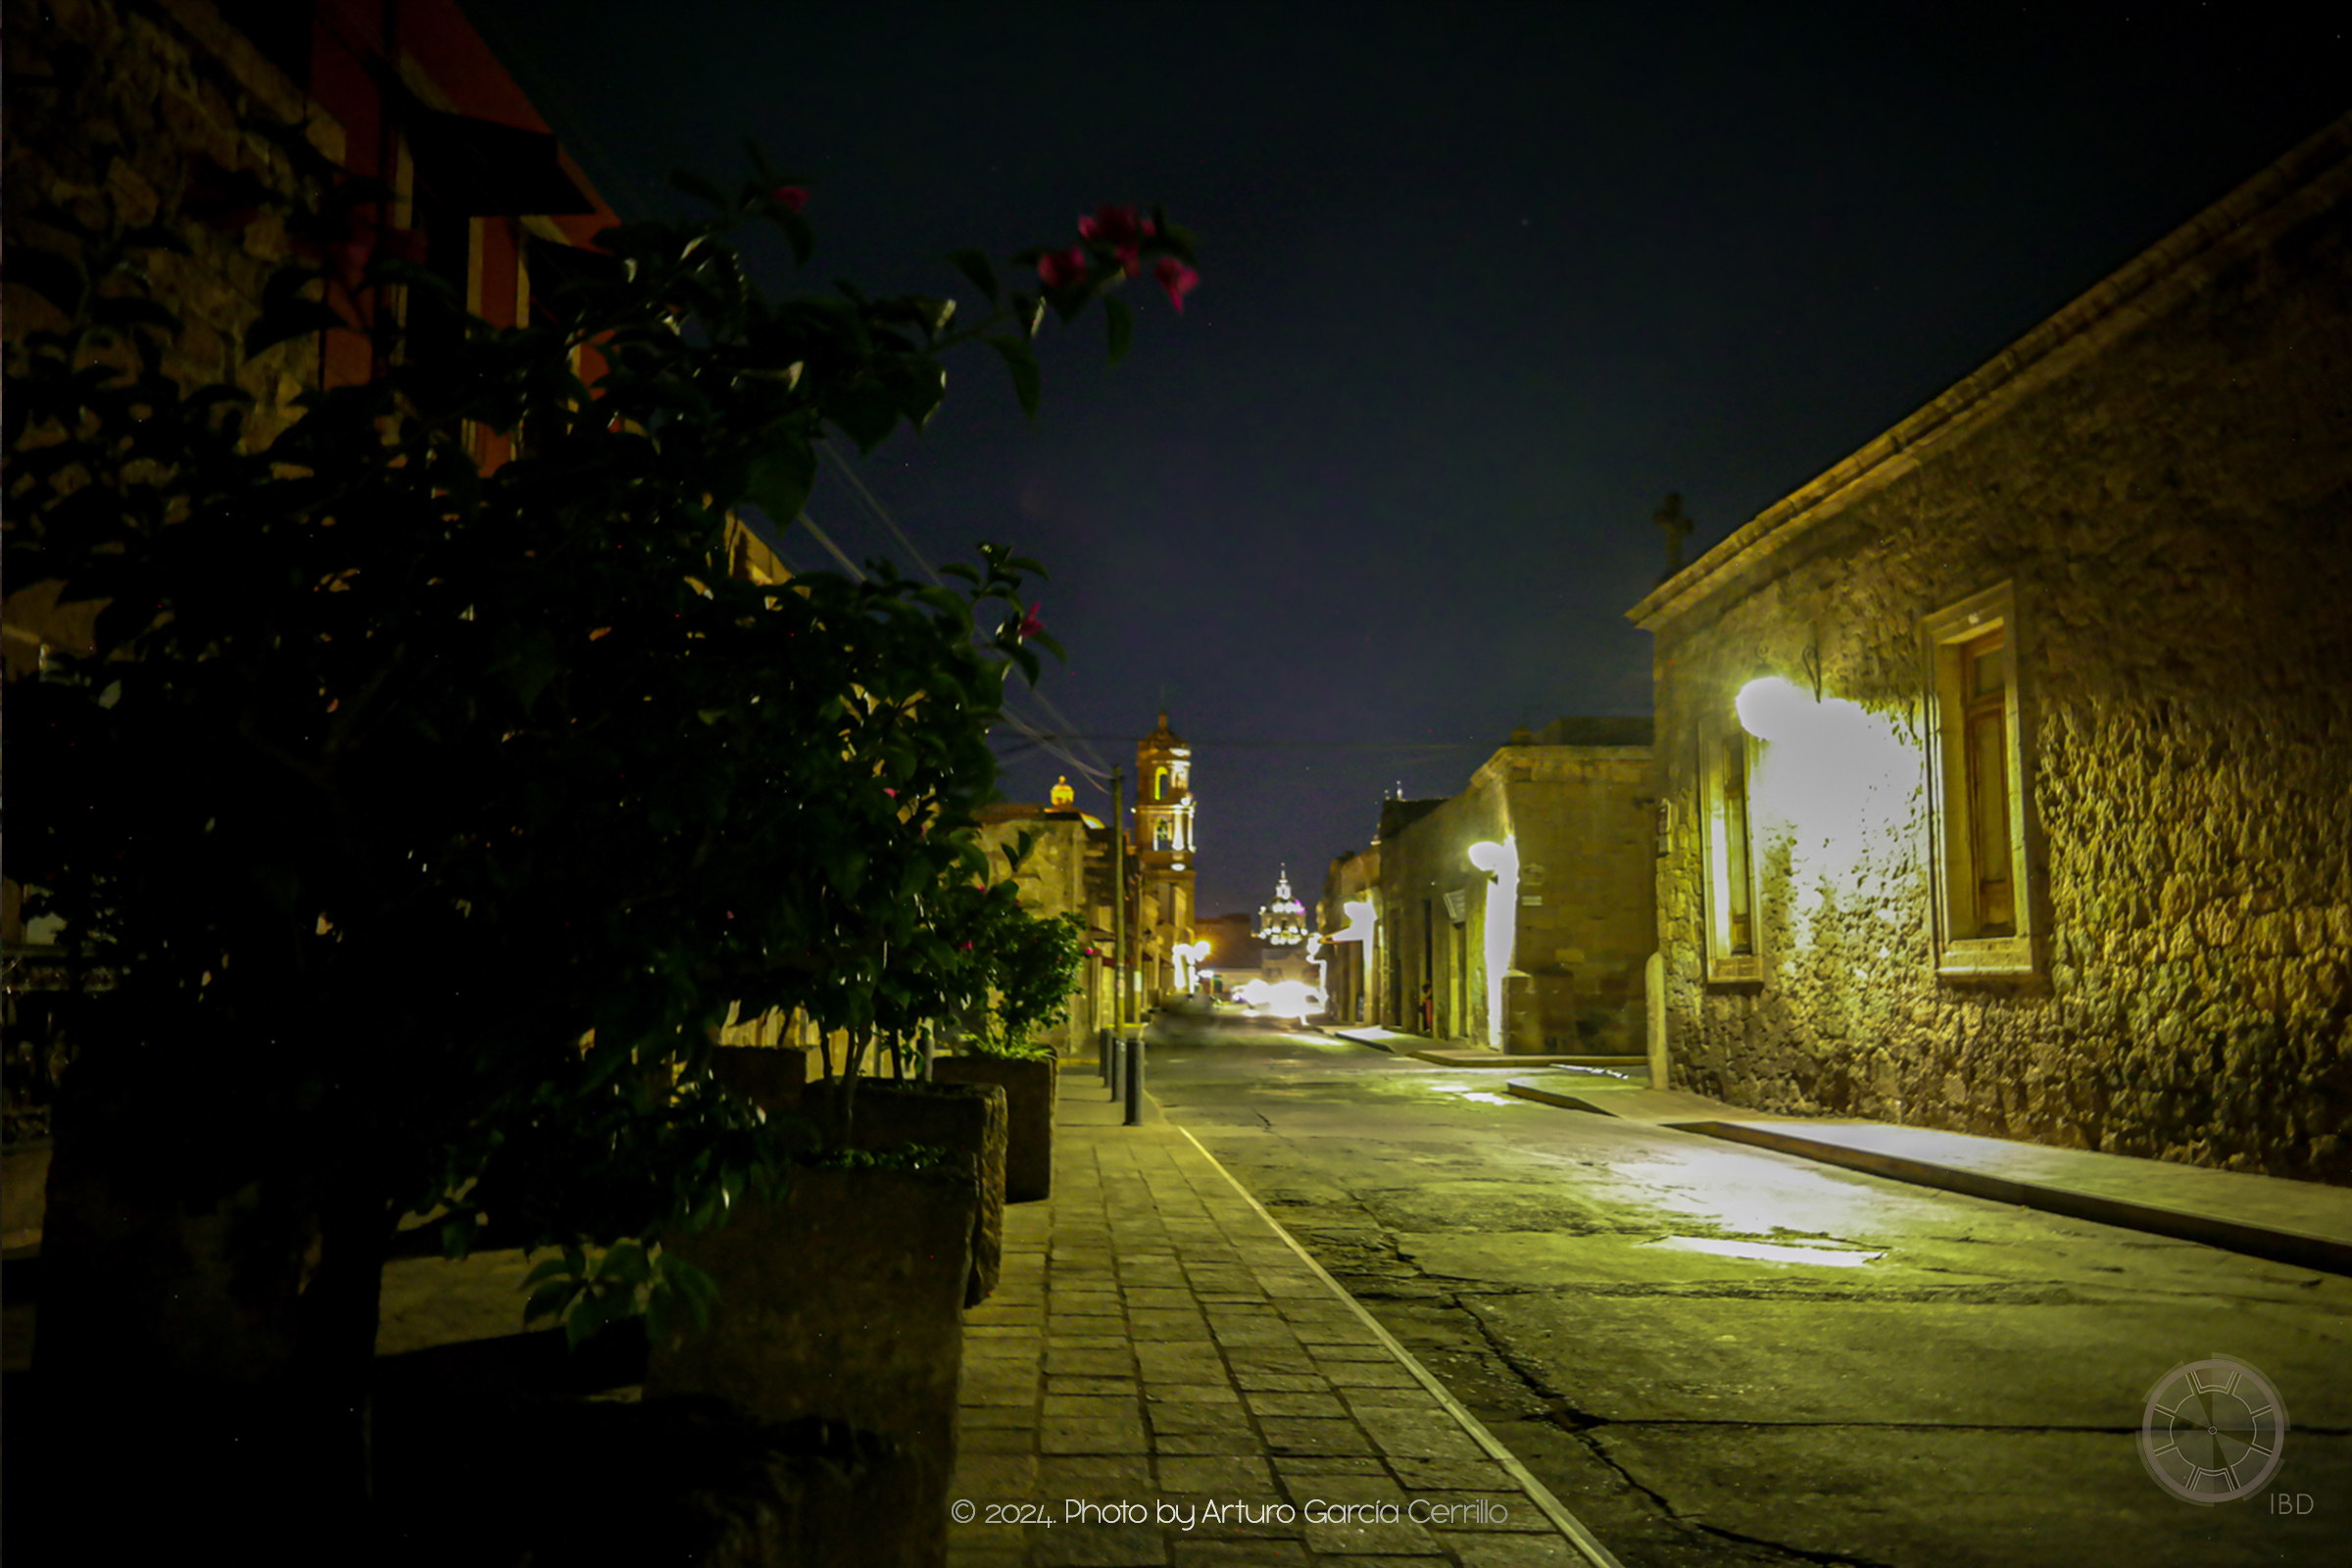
1481 284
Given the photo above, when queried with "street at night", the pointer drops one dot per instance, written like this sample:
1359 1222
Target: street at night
1942 1381
1685 665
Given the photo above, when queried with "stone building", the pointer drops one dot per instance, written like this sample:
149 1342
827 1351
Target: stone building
2006 762
1232 958
1349 911
1163 863
1065 871
1522 907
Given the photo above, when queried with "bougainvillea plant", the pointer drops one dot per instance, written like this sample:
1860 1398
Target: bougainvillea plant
430 819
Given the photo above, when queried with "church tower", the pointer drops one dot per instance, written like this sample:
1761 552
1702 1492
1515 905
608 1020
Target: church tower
1163 853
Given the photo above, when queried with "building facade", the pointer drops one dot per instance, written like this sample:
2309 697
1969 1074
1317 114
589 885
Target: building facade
1518 914
1163 863
1065 871
2005 764
1350 912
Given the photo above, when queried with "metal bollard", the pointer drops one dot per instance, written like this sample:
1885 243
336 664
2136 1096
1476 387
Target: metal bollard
1103 1054
1134 1079
1118 1067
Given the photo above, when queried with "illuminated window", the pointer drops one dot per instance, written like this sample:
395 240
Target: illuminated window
1162 835
1734 951
1984 915
1160 783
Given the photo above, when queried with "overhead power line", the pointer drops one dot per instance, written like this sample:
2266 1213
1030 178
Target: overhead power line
1092 768
1095 775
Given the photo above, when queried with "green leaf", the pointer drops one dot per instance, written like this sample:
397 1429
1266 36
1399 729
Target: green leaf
592 1312
974 265
626 1262
287 313
1021 361
1121 322
796 232
918 384
549 1300
864 410
548 1270
698 1288
779 479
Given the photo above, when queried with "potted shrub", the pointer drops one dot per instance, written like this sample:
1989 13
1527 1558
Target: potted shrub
1032 966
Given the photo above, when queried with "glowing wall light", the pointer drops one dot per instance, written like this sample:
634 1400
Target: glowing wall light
1500 862
1360 918
1188 957
1773 710
1836 783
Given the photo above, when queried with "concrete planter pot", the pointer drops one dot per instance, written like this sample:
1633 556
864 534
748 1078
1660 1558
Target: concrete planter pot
890 1113
1029 1086
968 1119
842 1303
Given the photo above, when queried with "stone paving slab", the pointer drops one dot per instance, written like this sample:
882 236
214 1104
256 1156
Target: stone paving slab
1165 1380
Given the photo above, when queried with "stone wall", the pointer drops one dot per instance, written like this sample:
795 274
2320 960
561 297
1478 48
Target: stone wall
1581 922
130 113
2163 474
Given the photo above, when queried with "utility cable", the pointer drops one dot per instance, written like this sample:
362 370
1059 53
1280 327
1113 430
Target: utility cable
1036 737
1095 770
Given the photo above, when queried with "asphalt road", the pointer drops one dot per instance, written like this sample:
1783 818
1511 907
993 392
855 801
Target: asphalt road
1714 1354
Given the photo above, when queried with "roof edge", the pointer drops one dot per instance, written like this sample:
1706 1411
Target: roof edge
2108 303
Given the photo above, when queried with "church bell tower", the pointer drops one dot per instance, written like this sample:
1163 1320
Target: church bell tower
1163 850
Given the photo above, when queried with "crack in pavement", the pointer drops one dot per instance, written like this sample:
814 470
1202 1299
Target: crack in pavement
1799 1554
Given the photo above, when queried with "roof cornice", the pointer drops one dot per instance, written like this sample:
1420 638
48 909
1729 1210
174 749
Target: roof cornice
2310 178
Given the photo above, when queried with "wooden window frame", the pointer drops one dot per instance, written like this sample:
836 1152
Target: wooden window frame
1726 820
1971 941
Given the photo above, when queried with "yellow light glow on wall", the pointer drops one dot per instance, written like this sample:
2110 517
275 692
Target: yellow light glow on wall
1500 862
1360 917
1835 782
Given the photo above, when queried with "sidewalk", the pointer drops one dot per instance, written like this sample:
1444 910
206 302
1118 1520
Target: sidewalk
1164 1378
2303 1224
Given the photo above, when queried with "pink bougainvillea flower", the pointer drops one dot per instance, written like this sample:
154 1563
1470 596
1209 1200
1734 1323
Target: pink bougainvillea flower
792 196
893 794
1030 625
1062 269
1119 229
1177 278
1114 225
